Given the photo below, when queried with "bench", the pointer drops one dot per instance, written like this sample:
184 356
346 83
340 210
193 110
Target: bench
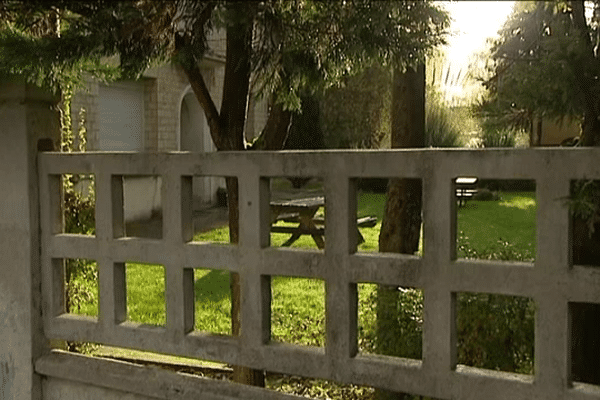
301 212
465 189
366 222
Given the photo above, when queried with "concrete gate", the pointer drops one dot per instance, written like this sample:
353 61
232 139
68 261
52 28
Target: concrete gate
33 246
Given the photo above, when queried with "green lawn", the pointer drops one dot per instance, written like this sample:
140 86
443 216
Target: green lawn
502 229
484 227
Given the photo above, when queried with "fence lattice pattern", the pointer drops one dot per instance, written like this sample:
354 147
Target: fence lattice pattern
551 281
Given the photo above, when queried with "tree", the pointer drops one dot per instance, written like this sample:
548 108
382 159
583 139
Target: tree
401 224
288 48
558 39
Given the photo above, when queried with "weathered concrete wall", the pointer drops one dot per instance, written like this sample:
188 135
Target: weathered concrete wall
61 389
25 117
74 377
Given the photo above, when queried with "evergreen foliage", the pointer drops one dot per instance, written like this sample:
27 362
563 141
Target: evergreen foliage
296 46
545 65
357 115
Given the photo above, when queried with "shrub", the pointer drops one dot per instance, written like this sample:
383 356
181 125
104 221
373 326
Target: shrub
79 217
494 331
486 195
81 275
508 185
374 185
79 211
506 341
402 333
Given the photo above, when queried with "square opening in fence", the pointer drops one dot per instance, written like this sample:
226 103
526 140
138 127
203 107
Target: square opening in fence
401 199
297 207
390 320
584 206
496 219
142 206
212 301
298 310
145 285
79 204
205 208
495 332
585 342
81 286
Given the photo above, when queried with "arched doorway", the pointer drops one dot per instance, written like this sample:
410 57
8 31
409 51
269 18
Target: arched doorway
195 137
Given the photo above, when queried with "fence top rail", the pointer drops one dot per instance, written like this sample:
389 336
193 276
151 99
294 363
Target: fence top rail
565 163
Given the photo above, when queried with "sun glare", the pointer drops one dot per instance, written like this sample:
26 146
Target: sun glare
473 22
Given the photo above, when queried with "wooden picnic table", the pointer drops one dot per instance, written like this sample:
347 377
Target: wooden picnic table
303 212
466 188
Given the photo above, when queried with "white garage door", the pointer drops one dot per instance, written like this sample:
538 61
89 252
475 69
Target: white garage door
121 116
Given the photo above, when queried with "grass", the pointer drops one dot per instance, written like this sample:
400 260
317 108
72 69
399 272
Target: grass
300 302
212 301
146 305
482 224
502 229
298 311
508 225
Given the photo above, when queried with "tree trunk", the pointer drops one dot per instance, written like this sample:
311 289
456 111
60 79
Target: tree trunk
535 135
277 128
401 225
227 132
232 122
590 129
305 130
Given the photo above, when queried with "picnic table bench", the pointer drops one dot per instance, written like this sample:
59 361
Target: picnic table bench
302 212
466 188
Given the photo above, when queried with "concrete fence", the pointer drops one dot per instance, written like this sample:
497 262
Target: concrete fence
34 246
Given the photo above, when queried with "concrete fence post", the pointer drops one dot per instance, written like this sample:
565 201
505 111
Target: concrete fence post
27 115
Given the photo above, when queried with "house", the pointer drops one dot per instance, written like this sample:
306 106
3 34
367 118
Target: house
553 133
158 112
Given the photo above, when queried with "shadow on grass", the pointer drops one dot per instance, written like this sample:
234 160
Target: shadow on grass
212 286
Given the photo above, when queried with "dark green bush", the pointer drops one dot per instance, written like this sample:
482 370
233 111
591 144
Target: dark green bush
401 334
81 275
374 185
79 212
494 331
508 185
485 194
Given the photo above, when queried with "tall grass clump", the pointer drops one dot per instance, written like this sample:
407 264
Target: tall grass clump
494 134
498 137
440 128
